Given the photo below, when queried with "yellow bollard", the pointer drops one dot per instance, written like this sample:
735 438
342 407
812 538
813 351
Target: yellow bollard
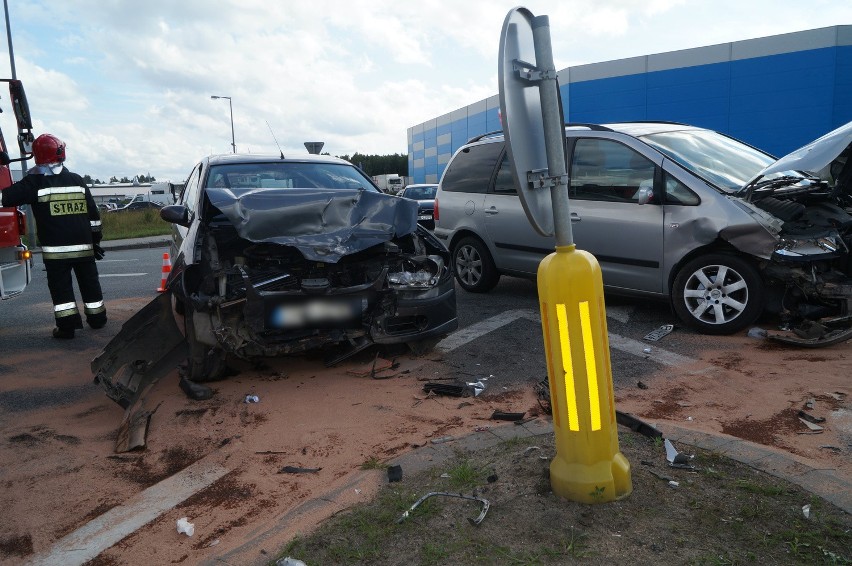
588 467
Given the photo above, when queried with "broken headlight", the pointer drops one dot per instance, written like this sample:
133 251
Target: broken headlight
423 272
790 248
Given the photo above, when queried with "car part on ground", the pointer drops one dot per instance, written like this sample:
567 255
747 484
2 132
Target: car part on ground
720 229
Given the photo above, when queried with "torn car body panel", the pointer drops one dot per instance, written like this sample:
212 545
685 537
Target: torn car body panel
147 347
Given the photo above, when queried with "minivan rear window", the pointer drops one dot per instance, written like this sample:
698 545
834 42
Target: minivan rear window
471 169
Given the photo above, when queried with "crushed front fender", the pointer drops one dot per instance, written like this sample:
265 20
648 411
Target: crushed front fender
147 347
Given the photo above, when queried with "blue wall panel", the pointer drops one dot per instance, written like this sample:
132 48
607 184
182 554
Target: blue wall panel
775 102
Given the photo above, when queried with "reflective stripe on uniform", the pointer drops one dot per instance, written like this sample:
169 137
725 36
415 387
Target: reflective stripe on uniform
94 308
95 223
66 252
65 309
60 193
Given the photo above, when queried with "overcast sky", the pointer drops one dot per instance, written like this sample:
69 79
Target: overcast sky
127 84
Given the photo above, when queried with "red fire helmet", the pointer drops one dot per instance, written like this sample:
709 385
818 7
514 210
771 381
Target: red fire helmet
47 148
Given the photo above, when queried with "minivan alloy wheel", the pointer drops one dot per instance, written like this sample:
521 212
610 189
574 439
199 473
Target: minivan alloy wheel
474 268
718 294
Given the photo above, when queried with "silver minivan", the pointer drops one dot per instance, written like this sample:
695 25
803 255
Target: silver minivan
721 229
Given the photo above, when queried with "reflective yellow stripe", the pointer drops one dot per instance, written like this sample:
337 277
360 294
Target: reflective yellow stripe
567 368
94 305
95 223
591 366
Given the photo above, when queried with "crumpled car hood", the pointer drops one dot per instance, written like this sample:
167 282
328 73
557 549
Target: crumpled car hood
815 156
323 224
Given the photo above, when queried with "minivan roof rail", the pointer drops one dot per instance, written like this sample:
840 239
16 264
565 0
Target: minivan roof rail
595 127
493 134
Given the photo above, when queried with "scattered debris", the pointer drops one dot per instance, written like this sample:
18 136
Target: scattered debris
811 426
835 449
756 333
252 399
675 458
661 332
673 483
810 403
477 387
492 478
481 428
542 391
531 449
379 368
214 542
646 350
394 473
443 439
806 511
453 390
683 404
637 425
298 470
185 527
289 562
659 475
641 385
478 520
837 395
501 416
810 418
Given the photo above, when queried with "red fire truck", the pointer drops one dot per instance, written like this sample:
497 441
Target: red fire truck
15 257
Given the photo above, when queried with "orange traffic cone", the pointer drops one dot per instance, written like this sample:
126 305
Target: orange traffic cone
167 268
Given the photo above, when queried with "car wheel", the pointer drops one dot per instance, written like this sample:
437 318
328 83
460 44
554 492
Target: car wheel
474 268
204 363
718 294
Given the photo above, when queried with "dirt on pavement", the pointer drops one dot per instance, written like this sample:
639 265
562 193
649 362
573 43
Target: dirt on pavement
59 470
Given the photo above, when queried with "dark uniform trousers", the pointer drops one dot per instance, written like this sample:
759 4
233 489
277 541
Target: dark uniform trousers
62 292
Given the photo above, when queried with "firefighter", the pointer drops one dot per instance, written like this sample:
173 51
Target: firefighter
69 231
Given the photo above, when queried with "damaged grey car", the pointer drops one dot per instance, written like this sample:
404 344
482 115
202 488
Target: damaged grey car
276 255
723 231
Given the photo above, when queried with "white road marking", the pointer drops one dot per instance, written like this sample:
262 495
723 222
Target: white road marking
627 345
103 532
121 274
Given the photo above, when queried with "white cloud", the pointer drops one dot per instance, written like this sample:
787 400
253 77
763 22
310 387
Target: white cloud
128 84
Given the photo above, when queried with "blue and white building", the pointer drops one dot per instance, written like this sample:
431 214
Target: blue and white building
776 93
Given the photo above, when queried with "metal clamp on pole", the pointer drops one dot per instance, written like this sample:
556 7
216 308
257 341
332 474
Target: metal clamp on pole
531 73
541 179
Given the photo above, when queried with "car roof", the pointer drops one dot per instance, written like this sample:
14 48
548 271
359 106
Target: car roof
636 129
235 158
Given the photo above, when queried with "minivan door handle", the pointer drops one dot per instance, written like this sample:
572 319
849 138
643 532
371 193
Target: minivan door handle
575 217
492 210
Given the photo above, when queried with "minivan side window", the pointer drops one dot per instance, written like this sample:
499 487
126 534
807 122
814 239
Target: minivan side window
504 183
606 170
678 193
471 169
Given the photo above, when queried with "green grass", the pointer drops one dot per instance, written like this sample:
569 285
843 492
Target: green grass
133 224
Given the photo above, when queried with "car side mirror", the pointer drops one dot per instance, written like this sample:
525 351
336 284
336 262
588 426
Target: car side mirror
175 214
644 195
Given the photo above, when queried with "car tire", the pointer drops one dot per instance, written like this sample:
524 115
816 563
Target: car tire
718 293
204 363
473 266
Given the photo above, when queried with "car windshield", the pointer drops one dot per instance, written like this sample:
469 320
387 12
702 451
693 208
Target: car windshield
420 193
288 175
719 160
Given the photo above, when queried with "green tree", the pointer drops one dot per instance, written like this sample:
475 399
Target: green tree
379 164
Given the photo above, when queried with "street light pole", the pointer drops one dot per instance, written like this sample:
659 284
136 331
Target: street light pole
231 106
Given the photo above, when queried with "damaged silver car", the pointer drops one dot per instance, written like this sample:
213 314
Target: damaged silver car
280 255
722 230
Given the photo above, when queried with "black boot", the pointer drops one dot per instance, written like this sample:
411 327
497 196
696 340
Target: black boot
63 333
